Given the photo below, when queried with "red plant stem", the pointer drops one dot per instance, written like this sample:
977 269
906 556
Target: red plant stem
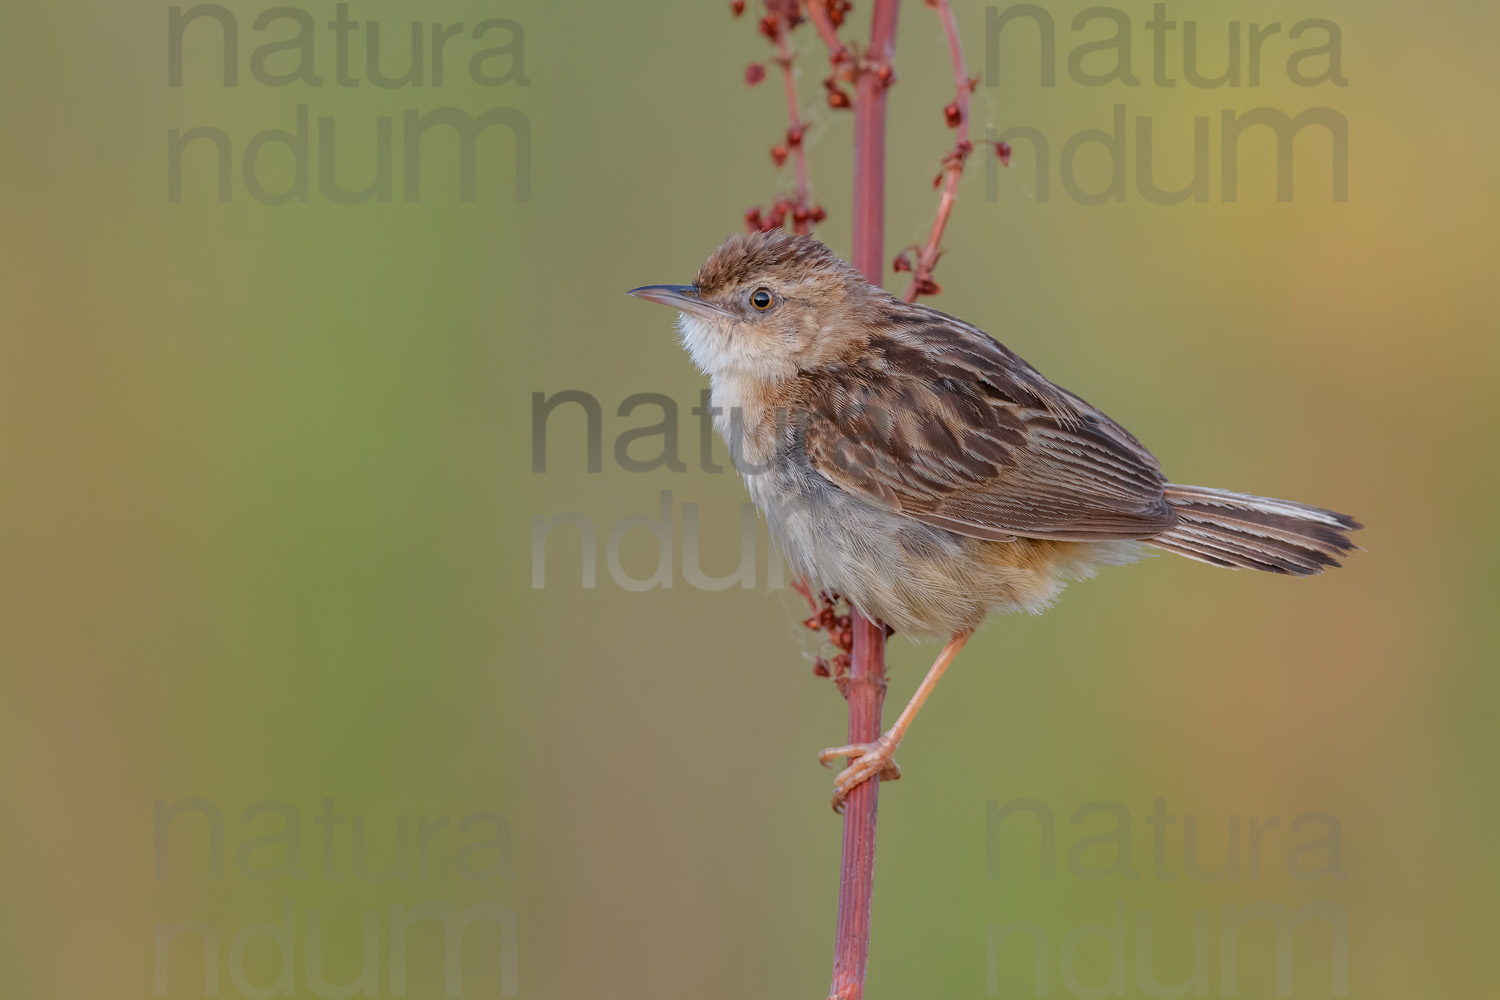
868 250
857 873
953 163
817 12
794 122
867 667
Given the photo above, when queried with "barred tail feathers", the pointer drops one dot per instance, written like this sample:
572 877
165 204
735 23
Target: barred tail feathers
1240 531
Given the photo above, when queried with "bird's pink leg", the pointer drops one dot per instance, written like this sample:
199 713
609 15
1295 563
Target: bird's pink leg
869 759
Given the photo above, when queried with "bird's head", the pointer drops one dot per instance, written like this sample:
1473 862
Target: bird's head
770 305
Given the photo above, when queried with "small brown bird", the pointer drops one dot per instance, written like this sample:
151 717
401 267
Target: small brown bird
911 463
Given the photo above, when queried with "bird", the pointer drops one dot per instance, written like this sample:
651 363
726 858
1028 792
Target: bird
908 461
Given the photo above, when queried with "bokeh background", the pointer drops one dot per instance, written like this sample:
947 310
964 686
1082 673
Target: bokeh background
269 499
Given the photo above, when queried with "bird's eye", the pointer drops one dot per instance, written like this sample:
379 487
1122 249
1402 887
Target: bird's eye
761 299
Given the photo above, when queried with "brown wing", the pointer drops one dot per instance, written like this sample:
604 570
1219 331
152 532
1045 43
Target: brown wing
942 423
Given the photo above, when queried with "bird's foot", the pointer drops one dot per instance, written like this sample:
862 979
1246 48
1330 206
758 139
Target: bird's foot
869 760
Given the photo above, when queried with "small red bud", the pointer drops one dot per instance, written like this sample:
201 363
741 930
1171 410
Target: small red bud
838 99
937 182
794 135
836 11
817 214
953 115
752 223
1003 150
886 76
902 262
820 667
769 27
754 73
778 155
973 83
737 8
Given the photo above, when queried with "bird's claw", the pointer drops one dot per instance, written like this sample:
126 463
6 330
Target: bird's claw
869 760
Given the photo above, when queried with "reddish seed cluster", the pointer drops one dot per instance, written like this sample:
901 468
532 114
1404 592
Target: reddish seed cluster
789 11
794 136
758 220
836 96
837 624
795 210
781 15
904 262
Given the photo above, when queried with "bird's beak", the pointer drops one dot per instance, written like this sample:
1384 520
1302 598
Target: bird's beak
681 297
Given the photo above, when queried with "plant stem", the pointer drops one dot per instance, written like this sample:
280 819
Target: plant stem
794 126
817 12
953 164
867 668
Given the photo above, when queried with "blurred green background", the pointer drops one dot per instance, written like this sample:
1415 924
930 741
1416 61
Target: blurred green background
269 502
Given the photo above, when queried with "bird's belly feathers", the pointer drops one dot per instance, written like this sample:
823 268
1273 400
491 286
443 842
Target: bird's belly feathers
920 579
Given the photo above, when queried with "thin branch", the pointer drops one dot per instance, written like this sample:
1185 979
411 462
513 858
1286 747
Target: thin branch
781 17
867 667
874 76
794 132
953 164
822 18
